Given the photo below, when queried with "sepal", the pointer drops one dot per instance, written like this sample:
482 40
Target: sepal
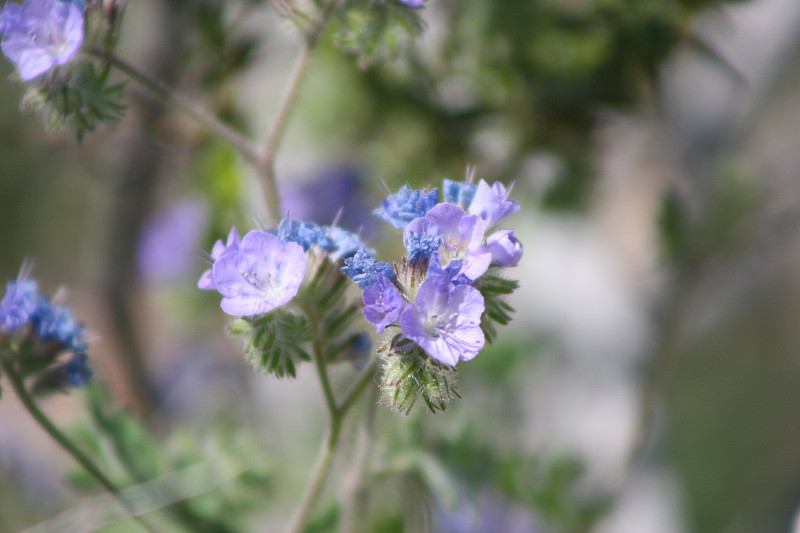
78 101
407 374
498 311
274 341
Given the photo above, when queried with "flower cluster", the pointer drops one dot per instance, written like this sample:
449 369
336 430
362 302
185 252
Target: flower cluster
41 34
34 331
264 269
430 297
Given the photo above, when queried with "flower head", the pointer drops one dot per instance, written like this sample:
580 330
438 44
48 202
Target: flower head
54 323
303 233
261 275
460 193
405 205
506 249
383 303
491 203
365 270
220 248
445 320
20 301
40 34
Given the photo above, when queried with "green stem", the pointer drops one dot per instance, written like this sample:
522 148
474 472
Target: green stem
266 161
182 104
91 468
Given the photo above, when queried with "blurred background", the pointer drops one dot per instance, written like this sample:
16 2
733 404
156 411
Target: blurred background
650 380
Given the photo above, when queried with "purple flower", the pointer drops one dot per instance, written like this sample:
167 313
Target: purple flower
261 275
339 243
20 301
383 303
40 35
492 203
453 271
462 237
76 373
220 248
420 245
54 323
460 193
506 249
365 270
405 205
445 320
303 233
169 241
412 3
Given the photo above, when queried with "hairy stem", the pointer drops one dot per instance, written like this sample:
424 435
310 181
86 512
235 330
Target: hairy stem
266 161
181 103
86 463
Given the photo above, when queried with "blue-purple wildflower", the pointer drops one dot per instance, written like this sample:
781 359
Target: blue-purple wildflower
460 193
412 3
405 205
40 34
262 274
383 303
365 270
19 303
445 320
76 373
506 249
491 203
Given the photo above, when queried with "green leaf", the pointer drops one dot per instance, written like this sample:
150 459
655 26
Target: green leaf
498 311
274 341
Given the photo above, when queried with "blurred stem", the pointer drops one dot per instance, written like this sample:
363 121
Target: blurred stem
266 160
170 97
87 464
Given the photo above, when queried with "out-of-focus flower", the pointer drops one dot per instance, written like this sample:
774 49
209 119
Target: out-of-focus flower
169 241
412 3
262 274
383 303
506 249
339 243
491 203
460 193
18 304
405 205
365 270
445 320
40 34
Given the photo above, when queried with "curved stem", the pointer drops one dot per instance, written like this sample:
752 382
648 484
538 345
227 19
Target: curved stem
266 160
181 103
91 468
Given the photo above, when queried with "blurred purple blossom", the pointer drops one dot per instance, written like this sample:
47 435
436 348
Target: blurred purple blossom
170 239
491 203
264 273
445 320
506 249
40 34
19 302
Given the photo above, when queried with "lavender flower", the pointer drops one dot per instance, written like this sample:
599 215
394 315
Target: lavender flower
420 245
492 203
445 320
53 323
462 237
412 3
262 274
365 270
383 303
18 304
405 205
303 233
40 34
506 249
220 248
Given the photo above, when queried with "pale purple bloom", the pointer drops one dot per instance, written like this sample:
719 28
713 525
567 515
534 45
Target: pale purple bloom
405 205
453 271
220 248
303 233
506 249
262 274
412 3
169 241
40 34
491 203
19 303
462 237
365 270
383 303
445 320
